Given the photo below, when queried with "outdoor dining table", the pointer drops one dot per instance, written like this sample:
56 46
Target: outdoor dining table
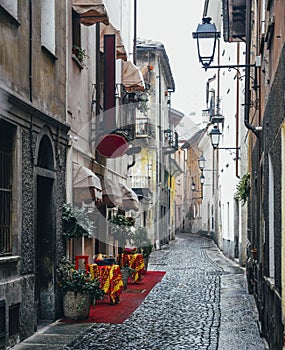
136 262
110 279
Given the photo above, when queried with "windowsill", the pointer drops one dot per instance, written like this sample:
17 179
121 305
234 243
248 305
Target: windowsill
75 58
9 259
49 53
10 16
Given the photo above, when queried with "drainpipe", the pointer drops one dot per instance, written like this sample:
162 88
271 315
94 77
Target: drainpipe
251 127
98 70
30 51
135 33
237 114
130 165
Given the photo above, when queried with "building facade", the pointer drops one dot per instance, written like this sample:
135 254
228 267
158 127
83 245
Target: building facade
261 244
32 160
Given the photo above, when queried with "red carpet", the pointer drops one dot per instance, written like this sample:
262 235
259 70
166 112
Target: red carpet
130 299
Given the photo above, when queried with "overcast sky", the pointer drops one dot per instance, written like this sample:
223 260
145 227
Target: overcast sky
172 23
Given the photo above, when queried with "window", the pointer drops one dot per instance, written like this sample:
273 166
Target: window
76 34
14 327
2 323
10 6
271 220
48 25
6 146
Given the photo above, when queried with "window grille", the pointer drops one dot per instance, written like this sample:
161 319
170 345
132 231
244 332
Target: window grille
14 319
2 323
6 144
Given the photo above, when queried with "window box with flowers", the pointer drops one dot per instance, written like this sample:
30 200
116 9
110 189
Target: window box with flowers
80 56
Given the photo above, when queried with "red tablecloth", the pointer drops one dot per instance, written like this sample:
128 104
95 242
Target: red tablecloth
110 278
134 261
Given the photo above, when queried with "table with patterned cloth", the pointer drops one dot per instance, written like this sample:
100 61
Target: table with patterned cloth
110 278
134 261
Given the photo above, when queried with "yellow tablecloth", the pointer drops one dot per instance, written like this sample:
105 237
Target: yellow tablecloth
134 261
110 278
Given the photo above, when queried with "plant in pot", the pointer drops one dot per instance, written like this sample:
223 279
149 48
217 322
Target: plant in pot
76 223
243 188
143 243
127 272
120 227
81 55
78 289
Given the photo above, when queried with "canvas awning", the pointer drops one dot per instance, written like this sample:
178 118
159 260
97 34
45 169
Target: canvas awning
132 77
130 199
84 183
112 194
176 169
90 11
120 48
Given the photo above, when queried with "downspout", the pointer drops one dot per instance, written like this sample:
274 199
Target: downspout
132 163
237 114
135 33
247 70
30 51
98 71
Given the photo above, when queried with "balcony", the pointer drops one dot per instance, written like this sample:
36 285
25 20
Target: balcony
141 186
170 143
144 129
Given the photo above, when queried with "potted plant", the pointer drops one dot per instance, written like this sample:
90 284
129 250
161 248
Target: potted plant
76 222
80 54
143 244
127 272
243 188
120 227
78 290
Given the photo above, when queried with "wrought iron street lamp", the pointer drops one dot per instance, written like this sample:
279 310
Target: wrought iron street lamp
206 36
194 190
215 134
206 47
201 163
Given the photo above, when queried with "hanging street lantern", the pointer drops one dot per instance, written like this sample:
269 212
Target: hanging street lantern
215 134
206 36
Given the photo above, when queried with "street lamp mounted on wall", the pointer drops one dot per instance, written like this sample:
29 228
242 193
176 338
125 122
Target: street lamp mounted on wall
201 162
206 47
202 180
215 134
194 190
206 35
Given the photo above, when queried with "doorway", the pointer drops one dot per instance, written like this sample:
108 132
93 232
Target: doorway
45 249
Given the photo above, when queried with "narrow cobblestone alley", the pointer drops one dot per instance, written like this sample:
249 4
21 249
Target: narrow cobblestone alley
201 303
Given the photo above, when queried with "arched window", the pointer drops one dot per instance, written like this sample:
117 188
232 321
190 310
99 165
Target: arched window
45 157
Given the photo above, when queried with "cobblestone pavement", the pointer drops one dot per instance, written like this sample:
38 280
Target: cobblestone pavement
201 303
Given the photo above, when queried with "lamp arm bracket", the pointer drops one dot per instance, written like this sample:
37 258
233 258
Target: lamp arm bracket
229 67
